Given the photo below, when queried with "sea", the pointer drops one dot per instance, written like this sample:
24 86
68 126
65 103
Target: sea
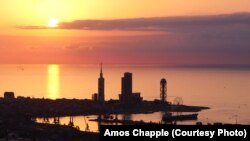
225 89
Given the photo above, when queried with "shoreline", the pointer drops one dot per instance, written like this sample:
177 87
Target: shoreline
17 116
75 107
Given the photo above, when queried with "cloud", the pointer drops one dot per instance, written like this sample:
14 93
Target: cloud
31 27
186 23
159 24
198 39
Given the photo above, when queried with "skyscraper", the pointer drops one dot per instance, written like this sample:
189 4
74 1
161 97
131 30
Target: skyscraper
101 87
127 84
127 96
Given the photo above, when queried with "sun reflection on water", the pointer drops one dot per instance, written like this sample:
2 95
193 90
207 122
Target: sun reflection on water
53 81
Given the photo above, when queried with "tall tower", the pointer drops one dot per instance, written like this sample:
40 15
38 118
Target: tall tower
163 90
101 87
127 84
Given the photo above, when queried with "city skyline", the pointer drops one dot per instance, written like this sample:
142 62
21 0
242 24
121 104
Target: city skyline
160 32
69 67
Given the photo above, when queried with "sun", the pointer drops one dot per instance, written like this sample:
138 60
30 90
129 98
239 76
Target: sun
53 22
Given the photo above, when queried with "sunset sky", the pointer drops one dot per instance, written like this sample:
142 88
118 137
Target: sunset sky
172 32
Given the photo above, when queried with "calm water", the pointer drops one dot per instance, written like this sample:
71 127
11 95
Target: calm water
226 91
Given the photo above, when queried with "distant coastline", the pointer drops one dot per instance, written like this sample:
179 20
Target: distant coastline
73 107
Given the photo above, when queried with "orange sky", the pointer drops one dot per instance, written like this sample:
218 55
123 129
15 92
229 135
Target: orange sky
52 45
39 11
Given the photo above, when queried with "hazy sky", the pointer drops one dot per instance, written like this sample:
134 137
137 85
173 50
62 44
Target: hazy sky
125 31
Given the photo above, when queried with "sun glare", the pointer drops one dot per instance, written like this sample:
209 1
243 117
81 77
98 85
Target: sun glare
53 22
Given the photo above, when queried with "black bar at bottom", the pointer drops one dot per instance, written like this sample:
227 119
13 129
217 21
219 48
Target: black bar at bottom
174 132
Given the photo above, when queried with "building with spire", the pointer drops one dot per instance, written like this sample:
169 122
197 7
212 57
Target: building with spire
101 97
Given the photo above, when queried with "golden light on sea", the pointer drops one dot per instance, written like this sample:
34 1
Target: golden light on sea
53 81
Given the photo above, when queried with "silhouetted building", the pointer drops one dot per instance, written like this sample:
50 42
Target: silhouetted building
127 83
9 95
163 90
101 97
127 96
95 97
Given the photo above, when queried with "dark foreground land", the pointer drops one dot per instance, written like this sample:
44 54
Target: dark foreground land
17 116
21 129
71 107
